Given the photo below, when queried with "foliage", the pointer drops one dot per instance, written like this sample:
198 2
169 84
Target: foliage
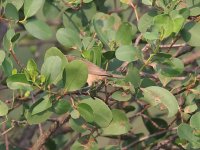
106 65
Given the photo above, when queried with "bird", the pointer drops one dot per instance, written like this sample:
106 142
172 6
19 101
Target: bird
95 73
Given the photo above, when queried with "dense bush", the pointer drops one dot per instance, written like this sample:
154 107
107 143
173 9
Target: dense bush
99 74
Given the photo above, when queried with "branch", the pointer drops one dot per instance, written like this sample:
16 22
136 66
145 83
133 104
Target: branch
52 129
148 137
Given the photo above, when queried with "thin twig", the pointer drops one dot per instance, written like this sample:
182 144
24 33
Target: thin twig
135 10
148 137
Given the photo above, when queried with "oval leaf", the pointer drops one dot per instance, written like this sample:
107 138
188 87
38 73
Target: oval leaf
102 113
69 38
3 108
31 7
127 53
119 124
190 33
38 29
75 75
156 95
18 81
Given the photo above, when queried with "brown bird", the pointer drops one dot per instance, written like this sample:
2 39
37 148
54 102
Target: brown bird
95 73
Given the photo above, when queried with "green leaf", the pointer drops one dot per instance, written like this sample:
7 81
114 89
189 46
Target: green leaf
127 53
186 132
52 68
7 66
195 121
125 1
18 81
75 114
11 12
190 108
61 107
170 68
53 51
76 74
2 56
18 4
86 112
3 108
32 69
41 105
98 23
37 118
178 20
119 124
69 38
146 21
121 96
86 142
164 24
155 95
50 11
77 125
147 2
190 33
133 76
31 7
126 33
194 6
102 113
38 29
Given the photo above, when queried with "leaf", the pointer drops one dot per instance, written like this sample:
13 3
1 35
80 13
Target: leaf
78 125
41 105
164 24
61 107
18 4
195 121
11 12
126 33
186 132
98 24
7 66
32 69
194 6
86 112
3 108
146 21
49 10
190 33
38 29
119 124
31 7
53 51
121 96
51 69
18 81
76 74
125 1
68 38
75 114
127 53
102 113
170 68
190 108
2 56
133 76
86 142
155 95
37 118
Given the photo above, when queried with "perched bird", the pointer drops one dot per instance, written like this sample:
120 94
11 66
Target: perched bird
95 73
